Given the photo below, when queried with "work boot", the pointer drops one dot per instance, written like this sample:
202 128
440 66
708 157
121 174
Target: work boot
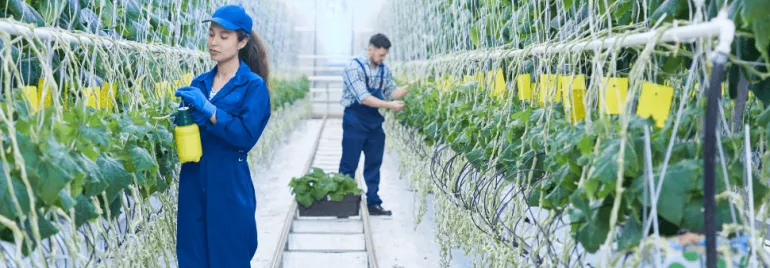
377 210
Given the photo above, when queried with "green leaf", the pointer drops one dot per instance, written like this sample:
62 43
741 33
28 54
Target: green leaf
304 200
692 218
586 145
760 26
631 234
94 182
337 197
84 210
65 200
606 165
755 9
681 178
114 174
54 173
475 34
7 205
96 135
45 227
670 9
51 10
142 160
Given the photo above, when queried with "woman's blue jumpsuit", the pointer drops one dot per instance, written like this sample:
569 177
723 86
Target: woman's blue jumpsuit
216 220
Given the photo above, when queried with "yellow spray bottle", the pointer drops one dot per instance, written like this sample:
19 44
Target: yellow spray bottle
188 138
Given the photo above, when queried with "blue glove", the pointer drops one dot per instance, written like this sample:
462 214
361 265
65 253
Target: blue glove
194 97
199 118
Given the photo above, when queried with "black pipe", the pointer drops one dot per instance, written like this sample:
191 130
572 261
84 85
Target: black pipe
709 154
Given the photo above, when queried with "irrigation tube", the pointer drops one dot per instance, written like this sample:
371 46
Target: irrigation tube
719 26
719 59
20 29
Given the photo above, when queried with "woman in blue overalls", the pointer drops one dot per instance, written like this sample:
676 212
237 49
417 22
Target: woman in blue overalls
231 104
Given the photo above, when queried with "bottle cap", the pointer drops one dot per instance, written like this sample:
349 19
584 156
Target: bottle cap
183 117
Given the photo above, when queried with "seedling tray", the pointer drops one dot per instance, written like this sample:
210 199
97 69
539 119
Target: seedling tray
348 207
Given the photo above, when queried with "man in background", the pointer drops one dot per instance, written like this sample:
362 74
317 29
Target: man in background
368 86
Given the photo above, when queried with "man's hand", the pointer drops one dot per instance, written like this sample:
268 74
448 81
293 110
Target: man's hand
396 105
402 91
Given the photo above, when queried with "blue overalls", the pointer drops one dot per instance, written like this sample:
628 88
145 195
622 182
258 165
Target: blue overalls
362 131
216 224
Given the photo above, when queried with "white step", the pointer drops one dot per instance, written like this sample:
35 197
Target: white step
327 226
325 260
327 242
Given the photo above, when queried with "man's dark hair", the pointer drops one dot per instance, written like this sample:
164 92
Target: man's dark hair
379 41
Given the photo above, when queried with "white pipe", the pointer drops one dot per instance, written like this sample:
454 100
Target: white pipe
52 34
325 78
344 57
720 26
330 69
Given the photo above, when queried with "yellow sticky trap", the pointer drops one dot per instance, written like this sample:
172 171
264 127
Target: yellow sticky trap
106 96
573 88
616 89
162 89
655 101
448 82
30 93
477 78
91 94
697 86
188 77
44 92
524 86
549 86
178 83
497 82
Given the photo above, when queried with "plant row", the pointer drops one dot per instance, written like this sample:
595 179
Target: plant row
83 159
578 166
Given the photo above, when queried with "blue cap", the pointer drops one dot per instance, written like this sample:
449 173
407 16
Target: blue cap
232 17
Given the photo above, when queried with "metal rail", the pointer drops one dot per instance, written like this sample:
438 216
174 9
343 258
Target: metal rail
291 215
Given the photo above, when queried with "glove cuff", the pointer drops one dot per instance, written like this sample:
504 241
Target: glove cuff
209 109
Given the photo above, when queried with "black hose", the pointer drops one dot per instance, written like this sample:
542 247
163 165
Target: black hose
709 153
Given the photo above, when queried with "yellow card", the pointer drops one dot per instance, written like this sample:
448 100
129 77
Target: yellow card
697 87
107 95
44 91
30 93
573 88
477 78
163 89
92 96
655 101
497 82
524 86
549 86
188 77
616 89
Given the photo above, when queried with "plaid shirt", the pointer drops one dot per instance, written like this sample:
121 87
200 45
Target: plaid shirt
354 88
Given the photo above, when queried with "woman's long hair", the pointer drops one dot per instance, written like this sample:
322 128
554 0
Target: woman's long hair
254 54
